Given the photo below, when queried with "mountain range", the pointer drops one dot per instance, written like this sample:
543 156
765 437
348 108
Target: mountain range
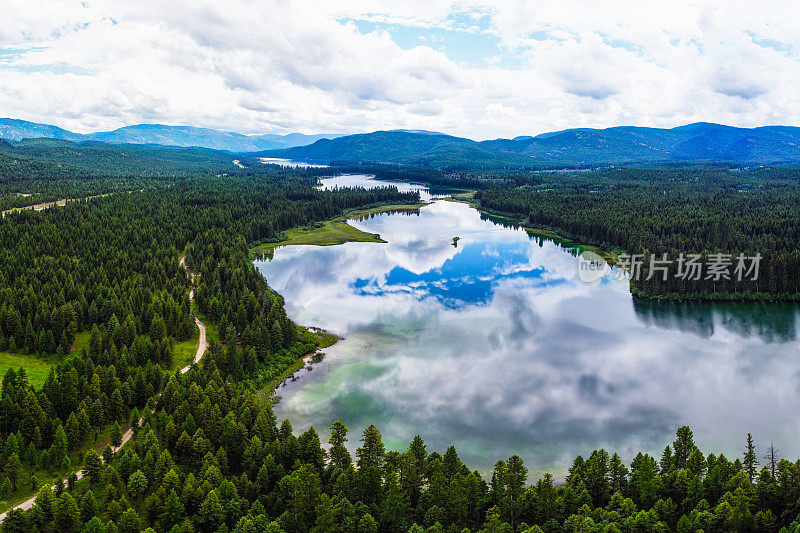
183 136
574 148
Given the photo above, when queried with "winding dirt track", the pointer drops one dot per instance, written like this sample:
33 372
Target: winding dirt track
202 345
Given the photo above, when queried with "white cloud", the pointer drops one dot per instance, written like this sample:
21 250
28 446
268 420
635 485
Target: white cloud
305 65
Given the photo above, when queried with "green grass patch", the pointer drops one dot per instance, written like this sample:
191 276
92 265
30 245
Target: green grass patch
336 231
329 233
24 489
467 197
37 367
81 341
324 338
183 352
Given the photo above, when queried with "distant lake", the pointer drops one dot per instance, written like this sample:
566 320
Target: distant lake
495 346
288 163
426 194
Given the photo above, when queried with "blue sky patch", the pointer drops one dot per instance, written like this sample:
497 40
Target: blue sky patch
468 278
464 40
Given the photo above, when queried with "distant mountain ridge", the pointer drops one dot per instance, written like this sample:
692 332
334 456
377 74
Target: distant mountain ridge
621 145
183 136
701 142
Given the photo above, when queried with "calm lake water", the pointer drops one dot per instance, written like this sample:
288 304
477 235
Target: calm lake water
496 346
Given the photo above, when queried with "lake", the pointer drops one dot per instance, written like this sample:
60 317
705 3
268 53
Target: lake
497 347
288 163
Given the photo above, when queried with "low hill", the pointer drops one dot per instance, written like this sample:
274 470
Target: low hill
98 158
382 147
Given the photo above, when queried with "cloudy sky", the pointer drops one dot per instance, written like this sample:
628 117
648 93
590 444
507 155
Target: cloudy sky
478 69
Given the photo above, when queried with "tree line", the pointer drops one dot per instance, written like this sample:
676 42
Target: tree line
110 267
673 211
212 457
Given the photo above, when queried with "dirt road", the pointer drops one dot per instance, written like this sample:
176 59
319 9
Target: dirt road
202 345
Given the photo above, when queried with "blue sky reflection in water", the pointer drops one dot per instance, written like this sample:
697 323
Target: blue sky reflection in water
497 347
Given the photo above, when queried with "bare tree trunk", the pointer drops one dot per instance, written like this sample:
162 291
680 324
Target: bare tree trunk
771 458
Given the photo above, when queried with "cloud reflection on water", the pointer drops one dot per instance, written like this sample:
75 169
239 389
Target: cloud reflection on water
497 347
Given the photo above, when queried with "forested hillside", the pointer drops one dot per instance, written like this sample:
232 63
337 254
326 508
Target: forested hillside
124 160
44 170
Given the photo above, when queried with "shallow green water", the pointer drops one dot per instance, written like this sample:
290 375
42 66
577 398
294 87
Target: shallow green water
496 346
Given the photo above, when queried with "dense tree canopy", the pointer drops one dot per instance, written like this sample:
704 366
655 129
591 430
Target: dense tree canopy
212 457
109 266
209 454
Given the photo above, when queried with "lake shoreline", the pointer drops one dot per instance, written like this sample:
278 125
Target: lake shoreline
326 340
415 306
467 198
612 259
336 230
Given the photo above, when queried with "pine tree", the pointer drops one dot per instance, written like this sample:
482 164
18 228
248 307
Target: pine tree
108 454
116 434
73 430
371 453
129 522
60 446
394 510
137 484
46 503
211 514
171 510
618 474
515 476
683 447
88 506
6 488
67 514
750 462
367 524
158 329
340 457
92 466
13 468
301 490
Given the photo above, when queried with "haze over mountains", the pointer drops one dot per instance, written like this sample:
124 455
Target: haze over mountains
574 148
185 136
